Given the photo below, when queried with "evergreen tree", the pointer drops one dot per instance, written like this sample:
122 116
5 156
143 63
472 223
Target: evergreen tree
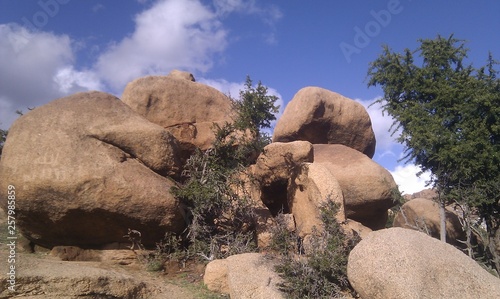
448 118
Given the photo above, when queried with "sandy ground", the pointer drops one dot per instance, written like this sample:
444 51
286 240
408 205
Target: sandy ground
42 275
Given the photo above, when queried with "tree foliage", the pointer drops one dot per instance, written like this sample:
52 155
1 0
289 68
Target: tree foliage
447 115
221 219
256 108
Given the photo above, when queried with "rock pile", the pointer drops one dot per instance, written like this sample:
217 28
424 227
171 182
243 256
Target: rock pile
88 167
321 116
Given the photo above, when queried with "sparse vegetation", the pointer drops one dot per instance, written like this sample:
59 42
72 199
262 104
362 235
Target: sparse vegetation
322 271
219 210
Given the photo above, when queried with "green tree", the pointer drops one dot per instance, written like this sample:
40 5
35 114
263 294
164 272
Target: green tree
256 109
447 116
221 220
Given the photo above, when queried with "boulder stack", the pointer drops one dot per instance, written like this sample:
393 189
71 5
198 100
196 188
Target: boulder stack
321 116
367 187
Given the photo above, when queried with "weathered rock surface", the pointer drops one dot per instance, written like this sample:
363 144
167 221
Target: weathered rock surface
288 183
366 186
49 278
423 214
402 263
321 116
85 168
426 193
185 108
312 188
351 227
278 161
244 276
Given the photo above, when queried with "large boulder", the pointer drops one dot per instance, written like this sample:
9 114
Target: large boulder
185 108
244 276
423 214
321 116
86 168
367 186
289 183
279 160
311 189
402 263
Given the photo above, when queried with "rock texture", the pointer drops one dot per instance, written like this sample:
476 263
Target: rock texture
244 276
423 214
312 188
279 160
321 116
366 186
46 278
185 108
402 263
426 193
86 168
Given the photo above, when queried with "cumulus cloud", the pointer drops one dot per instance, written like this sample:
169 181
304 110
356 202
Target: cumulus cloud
70 80
171 34
28 63
381 123
408 181
36 67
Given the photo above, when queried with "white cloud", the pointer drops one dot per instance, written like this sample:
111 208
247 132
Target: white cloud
269 13
28 63
70 80
36 67
171 34
407 179
381 123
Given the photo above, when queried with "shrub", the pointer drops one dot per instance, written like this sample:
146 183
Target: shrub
321 272
220 214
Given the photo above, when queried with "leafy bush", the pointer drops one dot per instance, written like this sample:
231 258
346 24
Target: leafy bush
221 216
322 271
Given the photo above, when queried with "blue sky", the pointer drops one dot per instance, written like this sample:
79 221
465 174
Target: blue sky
52 48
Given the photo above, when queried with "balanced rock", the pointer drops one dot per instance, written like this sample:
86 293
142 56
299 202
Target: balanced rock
86 168
367 187
403 263
185 108
321 116
244 276
423 214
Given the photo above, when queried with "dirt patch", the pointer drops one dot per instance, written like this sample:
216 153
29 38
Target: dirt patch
109 274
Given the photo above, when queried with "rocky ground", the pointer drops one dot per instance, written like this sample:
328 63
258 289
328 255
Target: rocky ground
109 274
